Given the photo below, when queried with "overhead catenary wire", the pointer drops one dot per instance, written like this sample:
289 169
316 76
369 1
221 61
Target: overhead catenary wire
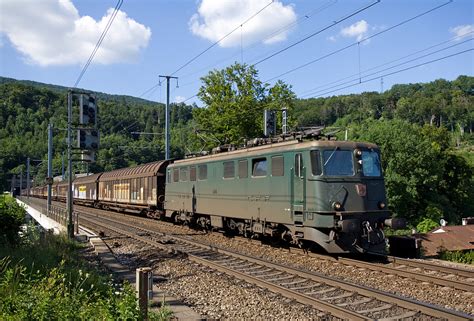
99 42
308 15
210 47
360 41
224 37
397 71
387 63
314 91
334 23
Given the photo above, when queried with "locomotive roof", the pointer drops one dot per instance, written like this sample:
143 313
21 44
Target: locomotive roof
145 170
277 148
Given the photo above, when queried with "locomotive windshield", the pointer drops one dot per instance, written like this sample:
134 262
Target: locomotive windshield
338 162
371 163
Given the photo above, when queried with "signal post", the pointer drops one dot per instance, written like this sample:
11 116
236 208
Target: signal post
87 141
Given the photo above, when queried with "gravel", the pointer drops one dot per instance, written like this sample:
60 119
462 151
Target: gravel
210 293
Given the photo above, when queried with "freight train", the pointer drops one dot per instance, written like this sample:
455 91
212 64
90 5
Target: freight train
322 193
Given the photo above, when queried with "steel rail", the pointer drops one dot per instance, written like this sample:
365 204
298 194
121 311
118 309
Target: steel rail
318 304
406 303
425 266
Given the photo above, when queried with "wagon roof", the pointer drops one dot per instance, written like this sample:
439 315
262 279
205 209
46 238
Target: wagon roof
277 147
87 179
145 170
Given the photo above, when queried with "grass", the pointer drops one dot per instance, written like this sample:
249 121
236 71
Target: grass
43 278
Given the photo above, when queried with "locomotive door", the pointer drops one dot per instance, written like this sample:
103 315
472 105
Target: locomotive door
298 189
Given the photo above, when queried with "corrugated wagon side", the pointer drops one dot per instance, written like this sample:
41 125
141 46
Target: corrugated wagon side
85 190
138 189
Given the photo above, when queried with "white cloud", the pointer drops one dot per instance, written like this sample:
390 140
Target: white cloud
215 19
357 30
51 32
462 31
179 99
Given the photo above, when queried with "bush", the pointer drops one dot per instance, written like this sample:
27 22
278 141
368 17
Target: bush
43 278
458 256
11 218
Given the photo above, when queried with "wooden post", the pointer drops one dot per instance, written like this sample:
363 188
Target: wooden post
144 289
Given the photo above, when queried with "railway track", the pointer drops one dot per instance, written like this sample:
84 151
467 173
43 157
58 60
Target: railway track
456 278
339 298
302 285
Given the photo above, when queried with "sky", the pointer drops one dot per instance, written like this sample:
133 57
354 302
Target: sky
319 47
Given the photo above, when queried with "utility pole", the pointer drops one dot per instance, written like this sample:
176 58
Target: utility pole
50 165
21 181
62 166
28 178
167 116
70 224
13 185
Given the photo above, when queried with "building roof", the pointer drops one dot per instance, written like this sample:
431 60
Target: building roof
451 238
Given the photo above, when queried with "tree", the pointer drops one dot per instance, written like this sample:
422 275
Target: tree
234 100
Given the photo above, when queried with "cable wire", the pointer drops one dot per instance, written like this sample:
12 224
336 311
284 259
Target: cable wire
218 41
318 32
397 71
99 42
357 42
328 86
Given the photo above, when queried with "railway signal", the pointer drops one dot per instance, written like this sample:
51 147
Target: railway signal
88 139
87 110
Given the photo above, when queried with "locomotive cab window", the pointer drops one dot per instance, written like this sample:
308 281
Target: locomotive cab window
202 172
259 167
243 168
338 162
371 163
229 170
316 162
277 166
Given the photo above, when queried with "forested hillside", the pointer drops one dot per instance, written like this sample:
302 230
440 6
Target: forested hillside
425 131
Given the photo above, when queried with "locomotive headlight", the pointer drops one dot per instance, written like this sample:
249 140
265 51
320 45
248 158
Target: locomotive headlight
381 205
337 206
358 152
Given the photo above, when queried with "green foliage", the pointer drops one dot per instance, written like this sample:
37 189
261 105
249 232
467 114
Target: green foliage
44 279
426 225
234 102
424 179
466 257
11 218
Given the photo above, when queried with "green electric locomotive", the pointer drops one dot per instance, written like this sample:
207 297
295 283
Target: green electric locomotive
320 192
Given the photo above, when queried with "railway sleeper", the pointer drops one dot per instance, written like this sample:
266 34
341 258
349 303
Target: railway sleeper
361 301
376 309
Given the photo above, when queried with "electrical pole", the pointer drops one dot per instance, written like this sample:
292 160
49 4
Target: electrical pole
167 116
70 224
62 166
50 165
28 178
21 181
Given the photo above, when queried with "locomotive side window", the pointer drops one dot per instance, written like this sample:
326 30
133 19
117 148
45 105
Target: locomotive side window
183 174
175 175
259 167
192 173
277 165
298 165
371 163
243 168
316 162
202 172
229 170
338 162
